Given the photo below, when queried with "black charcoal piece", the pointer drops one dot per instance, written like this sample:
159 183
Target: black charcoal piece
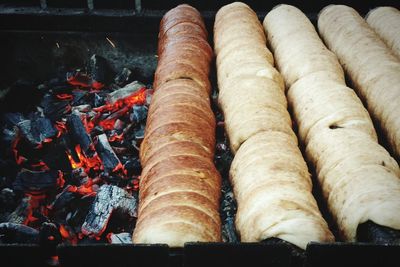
55 156
106 153
124 77
377 234
78 133
49 236
36 181
82 108
100 71
98 100
139 133
8 139
119 125
109 199
37 131
79 98
21 213
7 200
139 113
66 141
54 108
133 166
79 211
62 88
229 231
14 233
124 92
63 203
11 119
121 238
78 77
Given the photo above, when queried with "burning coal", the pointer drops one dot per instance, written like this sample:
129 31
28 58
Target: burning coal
70 167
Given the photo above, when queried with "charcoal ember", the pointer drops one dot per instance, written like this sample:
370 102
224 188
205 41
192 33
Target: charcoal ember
37 181
374 233
109 199
229 231
11 119
15 233
114 179
78 77
79 210
8 200
100 71
78 174
223 158
124 92
139 133
62 203
121 238
79 135
54 108
37 131
98 100
119 125
21 213
138 114
67 142
49 236
107 120
124 77
60 88
106 153
8 138
120 150
149 95
79 98
55 156
133 166
82 108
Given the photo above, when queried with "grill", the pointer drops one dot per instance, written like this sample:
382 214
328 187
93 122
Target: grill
42 38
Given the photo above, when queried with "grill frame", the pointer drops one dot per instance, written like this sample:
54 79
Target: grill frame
40 17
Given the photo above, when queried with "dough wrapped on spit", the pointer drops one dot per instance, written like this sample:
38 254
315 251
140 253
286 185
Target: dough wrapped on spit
385 21
359 179
370 64
270 178
180 187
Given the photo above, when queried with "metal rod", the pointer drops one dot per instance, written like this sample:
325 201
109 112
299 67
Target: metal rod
90 4
43 4
138 5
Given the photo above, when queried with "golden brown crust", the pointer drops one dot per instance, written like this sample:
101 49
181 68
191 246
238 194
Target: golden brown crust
180 187
181 70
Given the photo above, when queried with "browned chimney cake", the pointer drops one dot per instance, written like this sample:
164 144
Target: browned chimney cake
270 178
180 186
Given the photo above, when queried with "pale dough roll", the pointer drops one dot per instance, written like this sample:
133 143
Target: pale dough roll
253 69
280 188
334 126
316 101
241 54
370 64
386 23
304 55
231 92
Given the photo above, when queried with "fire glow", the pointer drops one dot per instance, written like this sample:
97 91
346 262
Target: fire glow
84 142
